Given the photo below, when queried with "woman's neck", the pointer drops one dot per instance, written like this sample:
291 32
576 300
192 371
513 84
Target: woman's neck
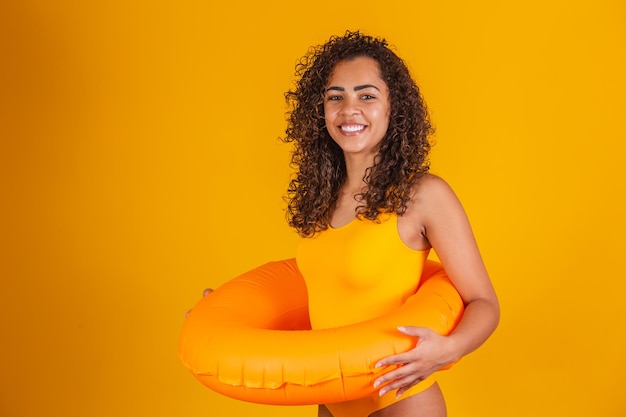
355 172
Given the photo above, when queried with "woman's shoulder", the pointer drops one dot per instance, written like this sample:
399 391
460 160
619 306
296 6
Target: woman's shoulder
432 194
431 184
430 198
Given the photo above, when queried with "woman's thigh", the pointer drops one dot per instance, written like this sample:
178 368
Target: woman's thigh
428 403
322 411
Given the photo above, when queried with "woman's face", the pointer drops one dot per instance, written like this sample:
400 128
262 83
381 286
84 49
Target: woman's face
356 106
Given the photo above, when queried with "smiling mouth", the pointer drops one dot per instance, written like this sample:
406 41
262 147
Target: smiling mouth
352 128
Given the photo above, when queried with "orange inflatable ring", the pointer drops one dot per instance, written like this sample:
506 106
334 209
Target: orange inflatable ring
251 339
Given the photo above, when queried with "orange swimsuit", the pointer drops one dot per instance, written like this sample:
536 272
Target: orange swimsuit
354 273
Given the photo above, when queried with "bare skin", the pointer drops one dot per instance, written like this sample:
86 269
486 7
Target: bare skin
322 411
428 403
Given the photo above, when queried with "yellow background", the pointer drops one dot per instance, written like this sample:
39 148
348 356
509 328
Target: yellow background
140 163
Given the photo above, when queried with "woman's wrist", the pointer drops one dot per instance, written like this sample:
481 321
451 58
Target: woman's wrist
454 349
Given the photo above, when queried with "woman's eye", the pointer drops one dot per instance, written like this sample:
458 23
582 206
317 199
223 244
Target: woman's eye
333 98
367 97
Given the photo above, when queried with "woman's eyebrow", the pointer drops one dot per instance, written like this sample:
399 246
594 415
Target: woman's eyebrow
364 86
356 88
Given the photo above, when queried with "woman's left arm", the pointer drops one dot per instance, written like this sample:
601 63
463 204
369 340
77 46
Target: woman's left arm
444 223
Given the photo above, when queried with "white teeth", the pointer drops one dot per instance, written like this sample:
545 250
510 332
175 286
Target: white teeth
352 128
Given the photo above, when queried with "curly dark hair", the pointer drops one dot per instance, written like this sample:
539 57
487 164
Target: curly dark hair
319 162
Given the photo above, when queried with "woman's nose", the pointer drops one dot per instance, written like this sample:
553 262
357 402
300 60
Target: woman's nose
350 106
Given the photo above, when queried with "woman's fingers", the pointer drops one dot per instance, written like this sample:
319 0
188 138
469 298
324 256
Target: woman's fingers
206 292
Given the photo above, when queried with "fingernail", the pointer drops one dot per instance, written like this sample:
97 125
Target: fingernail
376 384
382 392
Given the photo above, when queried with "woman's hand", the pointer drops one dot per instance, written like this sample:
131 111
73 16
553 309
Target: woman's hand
206 292
431 353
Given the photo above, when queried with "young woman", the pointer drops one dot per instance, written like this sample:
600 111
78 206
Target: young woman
369 212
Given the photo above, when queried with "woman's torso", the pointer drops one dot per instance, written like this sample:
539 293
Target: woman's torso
358 271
